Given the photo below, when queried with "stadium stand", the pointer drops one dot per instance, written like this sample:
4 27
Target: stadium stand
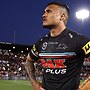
12 60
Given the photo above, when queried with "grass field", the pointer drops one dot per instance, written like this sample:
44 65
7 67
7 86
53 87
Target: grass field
15 85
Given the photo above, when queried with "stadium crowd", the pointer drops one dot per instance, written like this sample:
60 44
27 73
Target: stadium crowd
12 66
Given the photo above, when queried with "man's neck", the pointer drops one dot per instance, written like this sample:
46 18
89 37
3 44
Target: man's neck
57 31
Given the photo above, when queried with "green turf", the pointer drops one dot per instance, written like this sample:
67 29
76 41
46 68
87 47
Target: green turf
15 85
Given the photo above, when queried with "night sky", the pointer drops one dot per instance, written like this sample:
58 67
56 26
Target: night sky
21 20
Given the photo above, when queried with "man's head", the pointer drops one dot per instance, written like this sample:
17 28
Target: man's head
55 14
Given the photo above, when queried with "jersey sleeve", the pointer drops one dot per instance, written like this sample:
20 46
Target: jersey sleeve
84 43
34 52
86 49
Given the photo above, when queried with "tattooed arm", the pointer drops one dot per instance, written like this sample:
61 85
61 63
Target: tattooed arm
30 68
31 72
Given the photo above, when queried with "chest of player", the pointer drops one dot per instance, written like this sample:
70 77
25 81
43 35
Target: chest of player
57 46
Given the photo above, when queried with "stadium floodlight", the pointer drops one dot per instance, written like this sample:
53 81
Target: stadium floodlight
82 14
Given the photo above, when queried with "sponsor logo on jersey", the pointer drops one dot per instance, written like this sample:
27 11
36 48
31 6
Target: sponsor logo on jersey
86 48
54 63
56 71
34 48
62 46
44 46
34 51
55 66
52 43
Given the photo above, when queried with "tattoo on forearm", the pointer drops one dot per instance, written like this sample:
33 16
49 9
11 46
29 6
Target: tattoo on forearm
30 70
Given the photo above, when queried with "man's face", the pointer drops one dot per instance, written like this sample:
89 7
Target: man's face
51 16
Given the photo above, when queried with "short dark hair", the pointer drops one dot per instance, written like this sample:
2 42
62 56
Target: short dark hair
60 4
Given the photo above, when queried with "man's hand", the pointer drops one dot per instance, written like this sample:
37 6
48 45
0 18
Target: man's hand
37 85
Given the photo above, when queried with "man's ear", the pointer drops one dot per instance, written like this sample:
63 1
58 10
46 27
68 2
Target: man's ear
63 16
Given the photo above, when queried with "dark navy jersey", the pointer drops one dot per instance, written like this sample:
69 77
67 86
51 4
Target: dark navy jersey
62 59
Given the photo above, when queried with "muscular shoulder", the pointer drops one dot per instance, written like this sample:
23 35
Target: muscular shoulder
78 37
82 42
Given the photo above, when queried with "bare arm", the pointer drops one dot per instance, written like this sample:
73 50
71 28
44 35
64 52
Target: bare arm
31 72
85 85
30 68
